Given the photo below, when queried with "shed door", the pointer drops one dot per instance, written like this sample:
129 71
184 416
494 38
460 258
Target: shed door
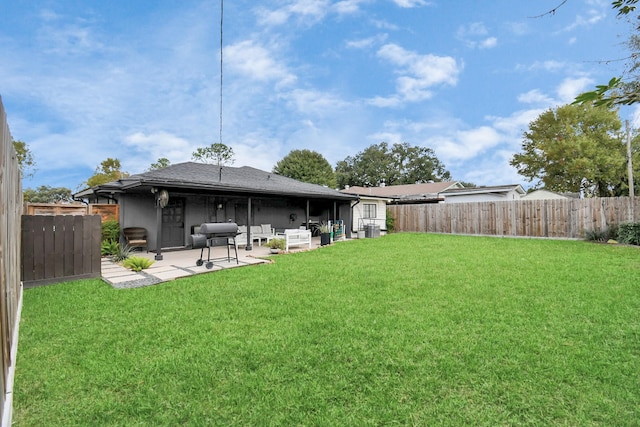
173 223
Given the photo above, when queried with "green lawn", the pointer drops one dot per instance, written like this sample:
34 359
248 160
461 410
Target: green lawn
408 329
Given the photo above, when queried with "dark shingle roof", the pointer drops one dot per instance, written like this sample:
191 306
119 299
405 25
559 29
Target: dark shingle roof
200 176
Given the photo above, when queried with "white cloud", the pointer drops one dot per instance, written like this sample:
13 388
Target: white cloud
419 72
366 43
593 17
345 7
384 102
411 3
272 17
48 15
473 29
313 8
59 35
306 11
256 63
466 144
488 43
550 65
513 125
475 35
314 102
572 87
155 145
384 25
518 28
386 136
535 96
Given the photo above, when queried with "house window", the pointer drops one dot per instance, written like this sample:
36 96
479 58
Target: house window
369 210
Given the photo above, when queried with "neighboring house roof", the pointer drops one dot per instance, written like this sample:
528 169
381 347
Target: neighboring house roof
497 190
207 177
543 195
427 190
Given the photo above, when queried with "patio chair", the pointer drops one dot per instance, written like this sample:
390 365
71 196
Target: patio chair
136 237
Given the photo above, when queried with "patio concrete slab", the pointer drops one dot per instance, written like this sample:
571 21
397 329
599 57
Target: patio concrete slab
183 263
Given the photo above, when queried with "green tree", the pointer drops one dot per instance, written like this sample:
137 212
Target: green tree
624 89
398 164
108 171
575 148
47 194
306 166
26 160
217 153
161 163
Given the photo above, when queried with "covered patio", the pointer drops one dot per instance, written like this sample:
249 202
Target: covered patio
182 263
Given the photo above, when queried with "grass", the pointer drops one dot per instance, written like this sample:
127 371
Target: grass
408 329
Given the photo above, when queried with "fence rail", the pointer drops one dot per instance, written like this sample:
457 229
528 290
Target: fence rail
60 248
557 218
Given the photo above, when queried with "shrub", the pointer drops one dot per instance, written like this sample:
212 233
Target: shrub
111 230
629 233
122 253
391 221
604 235
276 243
137 263
324 228
109 247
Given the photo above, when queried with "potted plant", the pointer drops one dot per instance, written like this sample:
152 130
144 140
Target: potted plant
276 245
325 234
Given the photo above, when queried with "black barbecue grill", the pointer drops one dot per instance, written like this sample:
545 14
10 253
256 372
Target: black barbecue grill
215 234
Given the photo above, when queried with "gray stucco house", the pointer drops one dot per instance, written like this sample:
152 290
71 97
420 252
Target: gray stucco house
199 193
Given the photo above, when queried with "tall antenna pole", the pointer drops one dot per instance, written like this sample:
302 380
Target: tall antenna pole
221 22
630 172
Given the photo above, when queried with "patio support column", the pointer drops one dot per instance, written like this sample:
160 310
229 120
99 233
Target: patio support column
249 247
335 213
307 214
158 256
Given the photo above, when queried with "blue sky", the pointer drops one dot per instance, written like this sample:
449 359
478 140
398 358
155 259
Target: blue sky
84 80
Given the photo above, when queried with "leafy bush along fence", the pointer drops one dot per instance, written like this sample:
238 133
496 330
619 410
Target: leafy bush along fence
629 233
562 218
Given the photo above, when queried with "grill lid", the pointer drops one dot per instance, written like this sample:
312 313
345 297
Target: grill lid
219 228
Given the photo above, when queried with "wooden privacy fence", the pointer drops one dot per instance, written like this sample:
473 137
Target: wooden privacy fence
107 212
557 218
10 289
60 248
